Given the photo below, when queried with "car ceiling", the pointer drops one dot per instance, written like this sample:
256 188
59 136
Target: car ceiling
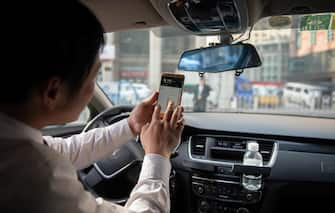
118 15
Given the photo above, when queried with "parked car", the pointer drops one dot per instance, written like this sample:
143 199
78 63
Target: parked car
302 94
125 92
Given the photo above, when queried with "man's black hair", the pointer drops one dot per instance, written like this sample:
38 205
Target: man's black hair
47 39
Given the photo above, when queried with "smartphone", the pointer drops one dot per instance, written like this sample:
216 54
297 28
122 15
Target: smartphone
171 88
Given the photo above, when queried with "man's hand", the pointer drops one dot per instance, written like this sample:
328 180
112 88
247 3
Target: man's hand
162 136
142 114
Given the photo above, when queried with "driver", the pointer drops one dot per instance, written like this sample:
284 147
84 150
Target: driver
59 43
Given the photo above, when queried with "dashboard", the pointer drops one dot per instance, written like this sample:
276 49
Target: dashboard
298 172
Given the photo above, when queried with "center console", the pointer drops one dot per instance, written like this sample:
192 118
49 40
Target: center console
213 194
221 190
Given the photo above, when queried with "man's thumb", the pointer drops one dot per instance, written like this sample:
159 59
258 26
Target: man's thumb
152 99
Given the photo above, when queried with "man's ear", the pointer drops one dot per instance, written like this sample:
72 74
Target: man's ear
52 93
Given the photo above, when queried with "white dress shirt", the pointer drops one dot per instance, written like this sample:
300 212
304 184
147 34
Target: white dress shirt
36 178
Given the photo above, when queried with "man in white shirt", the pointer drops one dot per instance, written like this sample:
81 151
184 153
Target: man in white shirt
55 87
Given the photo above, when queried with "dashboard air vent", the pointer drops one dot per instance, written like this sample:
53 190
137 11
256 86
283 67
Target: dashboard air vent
266 148
232 149
198 145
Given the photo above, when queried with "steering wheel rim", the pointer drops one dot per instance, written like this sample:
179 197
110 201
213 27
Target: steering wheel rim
133 152
117 110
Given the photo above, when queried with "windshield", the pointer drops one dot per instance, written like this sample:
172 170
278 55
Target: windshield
297 74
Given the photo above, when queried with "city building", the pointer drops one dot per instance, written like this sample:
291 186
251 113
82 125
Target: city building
273 47
313 53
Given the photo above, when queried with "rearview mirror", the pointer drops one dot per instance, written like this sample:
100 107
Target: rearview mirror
220 58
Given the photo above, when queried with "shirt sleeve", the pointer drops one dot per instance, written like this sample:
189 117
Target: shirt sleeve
86 148
62 192
151 194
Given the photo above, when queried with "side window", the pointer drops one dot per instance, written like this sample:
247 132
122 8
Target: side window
83 118
298 89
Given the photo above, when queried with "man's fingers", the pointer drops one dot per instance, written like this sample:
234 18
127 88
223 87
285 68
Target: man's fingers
180 113
181 120
152 99
180 116
175 116
168 111
145 127
180 125
156 113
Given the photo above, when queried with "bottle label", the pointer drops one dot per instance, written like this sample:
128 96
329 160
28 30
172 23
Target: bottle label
252 162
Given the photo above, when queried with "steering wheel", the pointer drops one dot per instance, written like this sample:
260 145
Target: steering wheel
120 170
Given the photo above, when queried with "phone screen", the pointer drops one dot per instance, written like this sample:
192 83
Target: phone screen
171 88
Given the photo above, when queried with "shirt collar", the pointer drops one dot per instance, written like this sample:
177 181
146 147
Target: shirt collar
11 128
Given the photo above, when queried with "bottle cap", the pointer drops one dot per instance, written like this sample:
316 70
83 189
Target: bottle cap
253 146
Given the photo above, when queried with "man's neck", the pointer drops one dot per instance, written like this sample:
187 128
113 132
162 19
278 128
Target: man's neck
21 114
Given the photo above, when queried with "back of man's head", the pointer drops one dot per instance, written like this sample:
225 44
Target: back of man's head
43 40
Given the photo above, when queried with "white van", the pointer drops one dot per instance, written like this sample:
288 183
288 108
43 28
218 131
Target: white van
301 94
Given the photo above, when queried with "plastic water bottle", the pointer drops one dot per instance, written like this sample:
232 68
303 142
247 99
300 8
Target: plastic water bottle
252 157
